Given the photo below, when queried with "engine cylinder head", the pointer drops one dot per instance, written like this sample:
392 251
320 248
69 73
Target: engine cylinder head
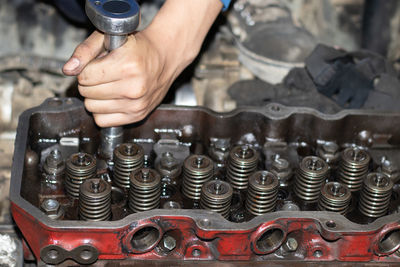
353 168
145 190
334 197
80 167
375 195
128 157
262 193
310 176
242 162
216 195
197 170
95 200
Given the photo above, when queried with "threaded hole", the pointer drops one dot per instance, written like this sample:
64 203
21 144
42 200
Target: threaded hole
196 252
318 253
330 224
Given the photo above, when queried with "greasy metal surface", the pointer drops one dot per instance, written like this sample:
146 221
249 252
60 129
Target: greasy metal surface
201 234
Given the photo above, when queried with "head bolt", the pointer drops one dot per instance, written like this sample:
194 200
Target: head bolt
291 244
50 206
169 243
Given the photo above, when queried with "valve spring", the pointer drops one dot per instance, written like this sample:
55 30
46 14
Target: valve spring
128 158
197 170
145 190
216 195
262 193
375 195
334 197
242 162
310 176
80 167
95 200
353 168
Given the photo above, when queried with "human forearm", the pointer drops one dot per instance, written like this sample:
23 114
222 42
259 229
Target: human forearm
124 85
181 26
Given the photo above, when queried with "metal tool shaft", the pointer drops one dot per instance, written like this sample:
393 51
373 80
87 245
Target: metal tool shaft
116 19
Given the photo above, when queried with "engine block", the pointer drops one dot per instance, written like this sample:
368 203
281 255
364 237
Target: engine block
271 183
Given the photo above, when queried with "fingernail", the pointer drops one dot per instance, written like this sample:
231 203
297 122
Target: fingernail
72 64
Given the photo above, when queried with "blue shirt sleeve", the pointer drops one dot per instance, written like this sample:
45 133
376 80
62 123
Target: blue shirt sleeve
226 4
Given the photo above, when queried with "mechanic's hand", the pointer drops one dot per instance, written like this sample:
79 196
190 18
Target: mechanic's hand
126 84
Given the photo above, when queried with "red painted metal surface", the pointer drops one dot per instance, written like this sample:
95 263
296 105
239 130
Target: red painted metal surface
221 245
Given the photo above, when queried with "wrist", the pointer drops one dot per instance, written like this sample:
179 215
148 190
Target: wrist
179 29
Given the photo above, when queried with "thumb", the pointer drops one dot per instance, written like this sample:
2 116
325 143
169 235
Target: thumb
84 53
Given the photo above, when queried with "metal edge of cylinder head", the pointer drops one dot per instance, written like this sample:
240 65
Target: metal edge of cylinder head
218 222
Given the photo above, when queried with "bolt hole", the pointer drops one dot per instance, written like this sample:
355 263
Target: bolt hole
270 240
53 254
205 222
390 242
196 252
318 253
275 108
69 101
86 254
145 239
55 102
171 205
330 224
282 194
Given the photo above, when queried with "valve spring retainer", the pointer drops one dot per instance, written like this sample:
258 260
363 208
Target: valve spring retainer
216 195
334 197
375 195
128 158
242 162
197 170
353 168
80 167
310 177
144 190
95 200
262 193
